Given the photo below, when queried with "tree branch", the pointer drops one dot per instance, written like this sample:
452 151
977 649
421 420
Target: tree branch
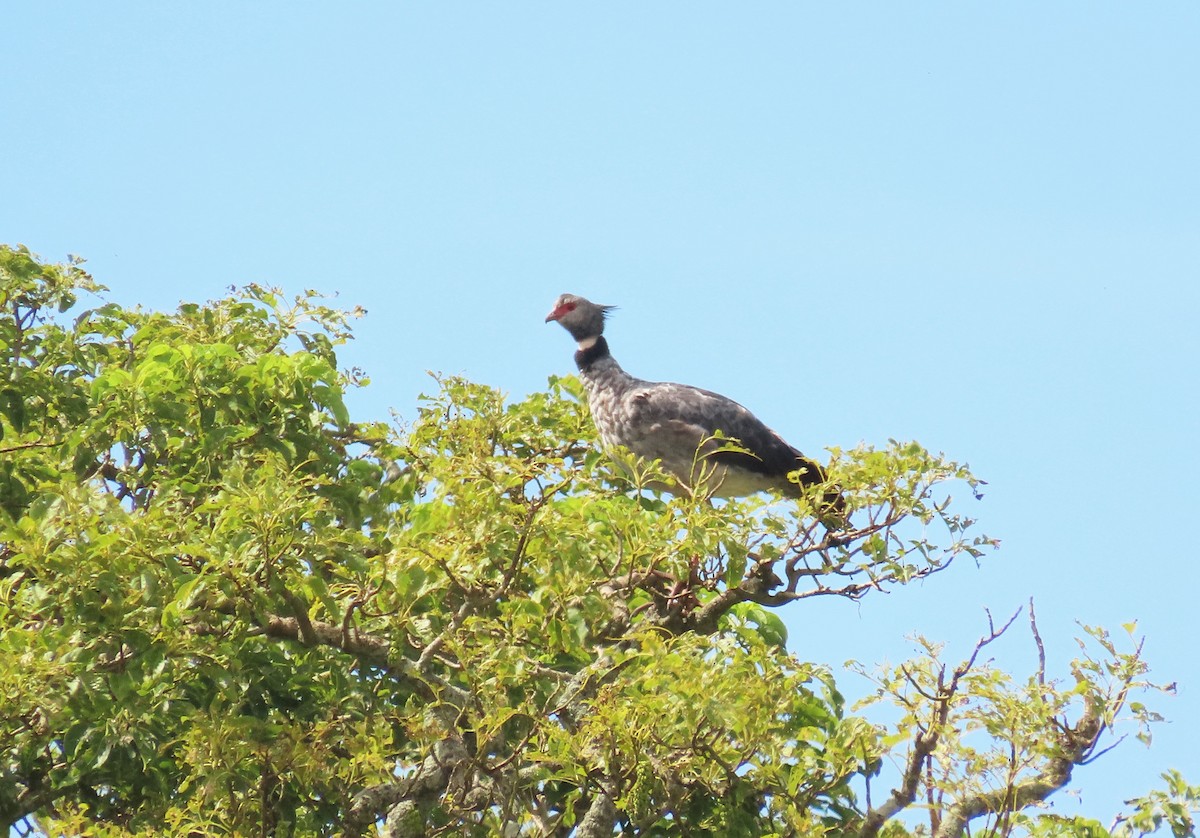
368 648
424 786
600 820
902 797
926 741
1076 742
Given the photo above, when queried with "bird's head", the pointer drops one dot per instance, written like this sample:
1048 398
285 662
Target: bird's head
582 318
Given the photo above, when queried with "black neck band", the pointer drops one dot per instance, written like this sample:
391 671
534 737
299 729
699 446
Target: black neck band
584 358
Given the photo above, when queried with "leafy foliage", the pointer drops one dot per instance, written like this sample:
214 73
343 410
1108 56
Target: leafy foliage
228 609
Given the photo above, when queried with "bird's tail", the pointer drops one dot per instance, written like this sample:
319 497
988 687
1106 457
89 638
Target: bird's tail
833 510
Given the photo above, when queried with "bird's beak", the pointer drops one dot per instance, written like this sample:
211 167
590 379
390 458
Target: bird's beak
554 314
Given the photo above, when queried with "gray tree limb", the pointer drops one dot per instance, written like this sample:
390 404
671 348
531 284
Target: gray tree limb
600 820
1077 743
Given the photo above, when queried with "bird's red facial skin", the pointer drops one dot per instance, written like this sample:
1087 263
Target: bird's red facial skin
564 309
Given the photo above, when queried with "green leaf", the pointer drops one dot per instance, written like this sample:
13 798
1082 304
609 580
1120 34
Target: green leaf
12 405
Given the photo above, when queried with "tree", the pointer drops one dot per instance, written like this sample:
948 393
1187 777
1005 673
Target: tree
226 608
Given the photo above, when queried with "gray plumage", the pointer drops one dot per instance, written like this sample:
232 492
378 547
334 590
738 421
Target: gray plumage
678 424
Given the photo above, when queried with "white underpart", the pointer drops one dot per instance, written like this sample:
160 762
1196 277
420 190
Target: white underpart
588 343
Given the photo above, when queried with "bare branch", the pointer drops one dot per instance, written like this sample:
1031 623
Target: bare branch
704 620
902 797
303 623
600 820
1037 638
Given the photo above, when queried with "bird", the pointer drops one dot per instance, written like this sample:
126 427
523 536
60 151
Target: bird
705 441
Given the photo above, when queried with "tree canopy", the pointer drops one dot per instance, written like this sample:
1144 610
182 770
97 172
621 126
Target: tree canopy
228 608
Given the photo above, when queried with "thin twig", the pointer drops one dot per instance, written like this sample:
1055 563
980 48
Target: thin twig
1037 638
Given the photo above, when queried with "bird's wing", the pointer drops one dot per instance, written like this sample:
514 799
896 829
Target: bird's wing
689 416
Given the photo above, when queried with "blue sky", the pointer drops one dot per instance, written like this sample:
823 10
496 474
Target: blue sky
973 225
